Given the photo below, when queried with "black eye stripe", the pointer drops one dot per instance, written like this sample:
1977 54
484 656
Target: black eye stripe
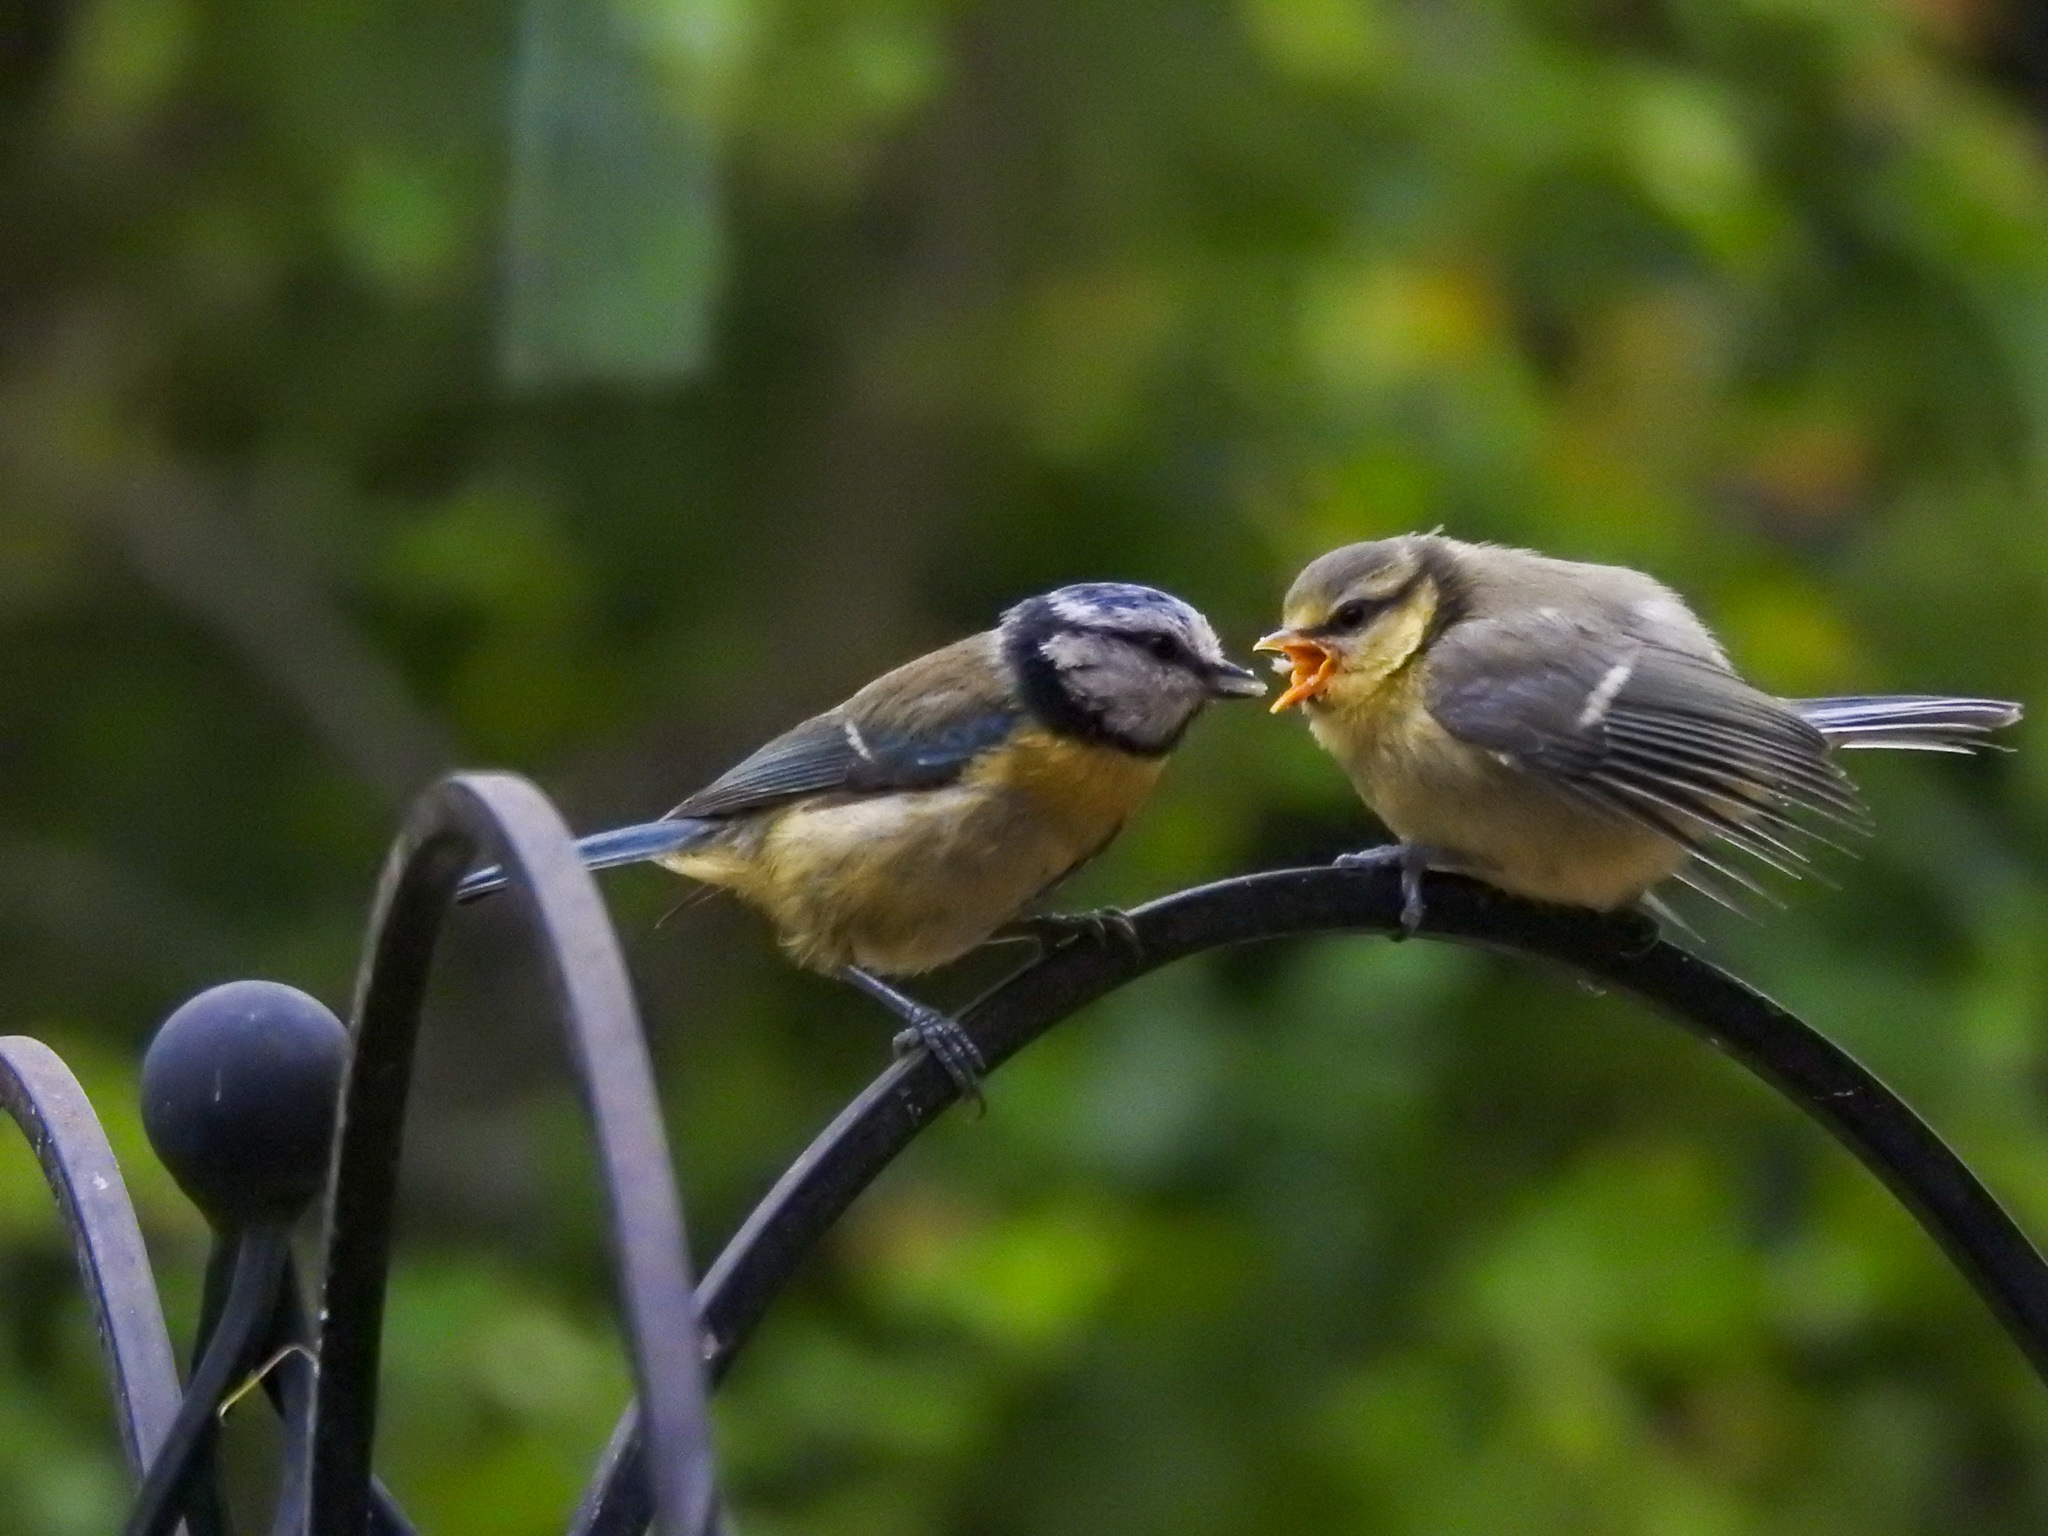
1356 613
1352 615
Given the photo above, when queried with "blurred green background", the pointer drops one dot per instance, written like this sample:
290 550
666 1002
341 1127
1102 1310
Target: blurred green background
595 387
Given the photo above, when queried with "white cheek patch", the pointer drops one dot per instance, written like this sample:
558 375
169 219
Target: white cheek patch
1129 693
1070 652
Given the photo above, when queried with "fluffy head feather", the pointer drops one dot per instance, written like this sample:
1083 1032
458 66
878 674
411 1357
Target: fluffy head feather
1359 614
1117 663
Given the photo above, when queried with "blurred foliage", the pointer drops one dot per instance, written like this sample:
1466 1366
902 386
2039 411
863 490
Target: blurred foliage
378 394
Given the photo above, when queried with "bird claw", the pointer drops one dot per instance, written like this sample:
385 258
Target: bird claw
1646 921
1104 927
1368 858
950 1046
1413 862
1412 909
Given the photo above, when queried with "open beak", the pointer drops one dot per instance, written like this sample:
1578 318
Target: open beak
1311 661
1227 680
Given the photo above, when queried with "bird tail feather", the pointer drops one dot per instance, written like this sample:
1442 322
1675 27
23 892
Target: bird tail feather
1913 722
606 850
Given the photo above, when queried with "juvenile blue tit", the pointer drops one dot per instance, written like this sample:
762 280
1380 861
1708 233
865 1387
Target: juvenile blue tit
930 811
1571 733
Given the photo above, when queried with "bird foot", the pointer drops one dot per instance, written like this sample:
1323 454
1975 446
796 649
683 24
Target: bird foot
950 1046
1651 915
1105 926
1414 862
1368 858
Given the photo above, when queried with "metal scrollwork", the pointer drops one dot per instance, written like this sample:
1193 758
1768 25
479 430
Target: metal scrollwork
255 1155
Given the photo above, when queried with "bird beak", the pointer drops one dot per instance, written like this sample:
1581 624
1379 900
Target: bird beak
1227 680
1312 664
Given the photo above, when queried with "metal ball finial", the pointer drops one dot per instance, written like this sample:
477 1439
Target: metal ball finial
239 1089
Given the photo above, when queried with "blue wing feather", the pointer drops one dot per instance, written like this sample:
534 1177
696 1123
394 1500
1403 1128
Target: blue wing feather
917 727
604 850
1912 721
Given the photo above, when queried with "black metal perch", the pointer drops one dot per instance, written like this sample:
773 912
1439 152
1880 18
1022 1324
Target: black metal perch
325 1382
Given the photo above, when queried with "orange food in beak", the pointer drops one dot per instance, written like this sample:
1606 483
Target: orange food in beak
1313 664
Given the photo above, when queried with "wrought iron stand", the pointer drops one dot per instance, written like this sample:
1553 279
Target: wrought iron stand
258 1101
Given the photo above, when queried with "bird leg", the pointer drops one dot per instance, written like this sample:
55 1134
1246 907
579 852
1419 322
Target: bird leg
1050 930
1414 860
1655 913
950 1045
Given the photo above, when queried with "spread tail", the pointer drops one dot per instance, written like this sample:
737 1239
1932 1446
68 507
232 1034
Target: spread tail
1914 722
605 850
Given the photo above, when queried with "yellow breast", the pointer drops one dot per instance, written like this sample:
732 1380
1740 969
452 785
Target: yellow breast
1079 785
1478 812
1374 723
900 883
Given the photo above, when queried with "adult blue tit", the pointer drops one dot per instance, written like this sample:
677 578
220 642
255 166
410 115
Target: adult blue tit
933 809
1569 732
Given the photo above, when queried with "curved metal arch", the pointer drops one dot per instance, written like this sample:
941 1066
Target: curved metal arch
260 1258
1619 951
45 1100
449 829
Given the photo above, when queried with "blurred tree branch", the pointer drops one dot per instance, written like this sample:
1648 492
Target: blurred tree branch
182 536
191 538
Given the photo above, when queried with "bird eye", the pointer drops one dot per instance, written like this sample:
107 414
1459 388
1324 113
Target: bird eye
1352 614
1165 647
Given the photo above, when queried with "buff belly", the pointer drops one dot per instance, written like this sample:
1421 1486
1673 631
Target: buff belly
1485 817
901 883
